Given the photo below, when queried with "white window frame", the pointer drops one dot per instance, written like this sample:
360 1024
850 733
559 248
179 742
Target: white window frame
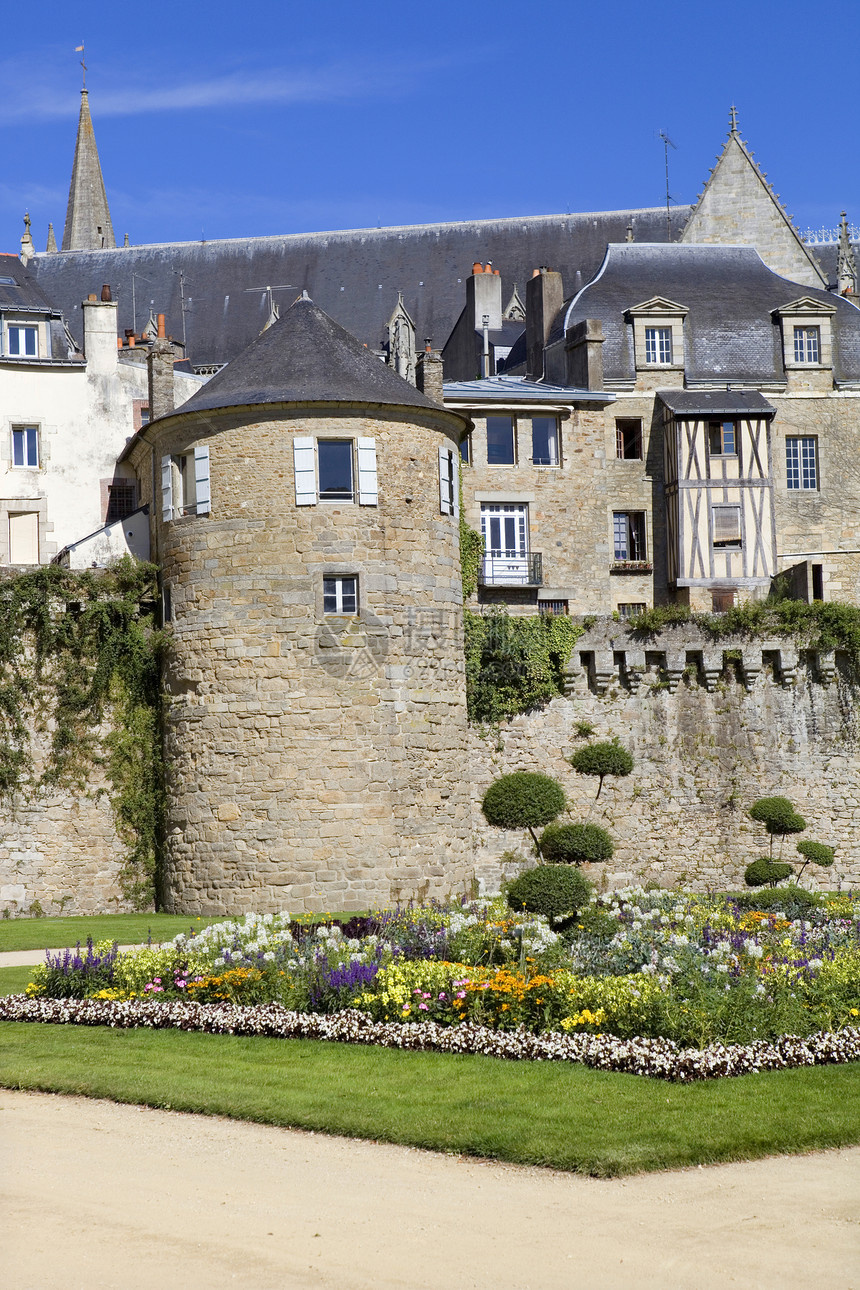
365 476
344 591
26 430
658 346
22 328
807 346
801 463
553 442
185 484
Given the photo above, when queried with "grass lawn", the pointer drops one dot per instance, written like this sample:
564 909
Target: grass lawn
13 980
531 1113
128 929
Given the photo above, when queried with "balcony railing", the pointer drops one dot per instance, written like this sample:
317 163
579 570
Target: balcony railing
498 570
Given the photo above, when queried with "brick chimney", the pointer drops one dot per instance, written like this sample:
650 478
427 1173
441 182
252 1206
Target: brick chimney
584 354
159 367
544 298
429 372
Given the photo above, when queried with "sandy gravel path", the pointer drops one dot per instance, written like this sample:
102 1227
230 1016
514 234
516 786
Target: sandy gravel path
95 1194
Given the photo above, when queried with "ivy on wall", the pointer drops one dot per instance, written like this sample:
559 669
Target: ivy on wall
821 625
80 660
514 664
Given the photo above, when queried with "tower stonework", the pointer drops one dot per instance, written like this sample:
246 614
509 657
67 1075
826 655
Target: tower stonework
316 748
88 224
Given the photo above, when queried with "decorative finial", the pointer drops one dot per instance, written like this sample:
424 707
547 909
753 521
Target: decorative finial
125 240
27 248
733 119
27 222
79 49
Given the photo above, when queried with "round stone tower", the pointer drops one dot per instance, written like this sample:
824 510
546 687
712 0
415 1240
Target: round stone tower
304 509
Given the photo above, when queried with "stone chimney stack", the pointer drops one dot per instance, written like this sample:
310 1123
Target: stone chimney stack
430 373
159 367
484 297
584 354
544 298
100 334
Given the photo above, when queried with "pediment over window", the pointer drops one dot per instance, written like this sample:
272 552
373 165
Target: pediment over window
805 306
658 306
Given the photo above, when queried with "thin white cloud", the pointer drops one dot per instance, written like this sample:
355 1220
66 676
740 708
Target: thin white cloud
325 84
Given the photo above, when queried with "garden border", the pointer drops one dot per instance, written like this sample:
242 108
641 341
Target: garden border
655 1058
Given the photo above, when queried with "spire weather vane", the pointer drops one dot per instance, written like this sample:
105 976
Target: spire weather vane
79 49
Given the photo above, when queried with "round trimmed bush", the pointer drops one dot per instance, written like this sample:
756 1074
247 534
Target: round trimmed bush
575 844
765 872
777 815
555 890
602 759
817 852
523 800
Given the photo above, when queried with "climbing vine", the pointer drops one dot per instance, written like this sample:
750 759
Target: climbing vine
514 664
820 625
79 663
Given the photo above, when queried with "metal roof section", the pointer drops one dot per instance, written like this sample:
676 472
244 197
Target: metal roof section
699 404
512 390
730 332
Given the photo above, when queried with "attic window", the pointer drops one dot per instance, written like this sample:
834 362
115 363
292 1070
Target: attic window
8 282
807 344
658 345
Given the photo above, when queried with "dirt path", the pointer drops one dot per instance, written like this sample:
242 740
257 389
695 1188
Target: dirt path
92 1193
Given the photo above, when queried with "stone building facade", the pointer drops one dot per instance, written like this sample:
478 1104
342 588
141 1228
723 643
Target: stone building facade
305 523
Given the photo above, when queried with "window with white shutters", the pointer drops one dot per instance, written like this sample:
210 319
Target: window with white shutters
368 487
449 482
185 486
306 472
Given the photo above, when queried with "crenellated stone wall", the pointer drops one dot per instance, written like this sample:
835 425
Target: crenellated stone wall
712 726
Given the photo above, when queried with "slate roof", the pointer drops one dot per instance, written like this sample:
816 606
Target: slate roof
511 390
353 275
729 331
306 357
26 296
716 403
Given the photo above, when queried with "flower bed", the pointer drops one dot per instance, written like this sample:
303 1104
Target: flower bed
657 981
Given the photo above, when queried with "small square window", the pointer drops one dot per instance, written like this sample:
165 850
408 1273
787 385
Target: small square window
549 608
628 439
25 447
722 439
658 345
727 527
631 609
500 441
545 441
628 528
23 341
122 500
340 595
801 462
807 344
335 470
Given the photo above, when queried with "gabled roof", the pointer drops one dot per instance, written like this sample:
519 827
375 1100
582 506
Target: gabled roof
729 331
305 358
716 403
23 294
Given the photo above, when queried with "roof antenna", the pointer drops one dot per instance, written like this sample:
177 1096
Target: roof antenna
667 144
79 49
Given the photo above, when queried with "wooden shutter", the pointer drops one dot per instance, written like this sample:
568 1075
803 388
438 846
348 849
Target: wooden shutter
727 525
368 485
449 499
201 479
166 489
306 474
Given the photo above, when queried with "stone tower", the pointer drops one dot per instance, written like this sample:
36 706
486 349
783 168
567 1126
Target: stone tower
306 526
88 224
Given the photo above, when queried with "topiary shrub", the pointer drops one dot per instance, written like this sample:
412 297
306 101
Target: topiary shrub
794 901
554 890
575 844
766 872
816 853
602 759
778 816
523 800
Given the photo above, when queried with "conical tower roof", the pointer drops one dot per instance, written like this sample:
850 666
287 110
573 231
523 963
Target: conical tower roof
306 357
88 223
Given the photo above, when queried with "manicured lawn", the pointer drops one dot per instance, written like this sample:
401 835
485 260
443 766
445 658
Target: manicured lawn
13 980
128 929
532 1113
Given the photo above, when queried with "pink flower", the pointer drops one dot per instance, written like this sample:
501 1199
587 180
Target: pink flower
442 995
423 1007
461 994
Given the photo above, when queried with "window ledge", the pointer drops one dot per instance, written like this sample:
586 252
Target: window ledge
632 566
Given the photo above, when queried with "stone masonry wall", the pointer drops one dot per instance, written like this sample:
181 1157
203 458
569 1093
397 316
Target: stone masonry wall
708 736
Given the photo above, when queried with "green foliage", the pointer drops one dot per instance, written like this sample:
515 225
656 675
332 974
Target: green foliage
765 872
816 853
523 800
555 890
602 759
793 900
584 729
75 650
575 844
820 625
778 816
471 550
515 664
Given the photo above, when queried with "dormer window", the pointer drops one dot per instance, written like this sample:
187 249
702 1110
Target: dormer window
807 344
658 345
22 341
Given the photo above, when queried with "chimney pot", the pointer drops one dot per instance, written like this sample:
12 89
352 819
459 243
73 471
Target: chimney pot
119 342
477 268
106 296
535 273
92 297
497 273
161 326
131 340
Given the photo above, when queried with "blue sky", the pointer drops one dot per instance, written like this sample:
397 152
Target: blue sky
221 121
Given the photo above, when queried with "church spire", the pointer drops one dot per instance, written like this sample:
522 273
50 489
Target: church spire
88 223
